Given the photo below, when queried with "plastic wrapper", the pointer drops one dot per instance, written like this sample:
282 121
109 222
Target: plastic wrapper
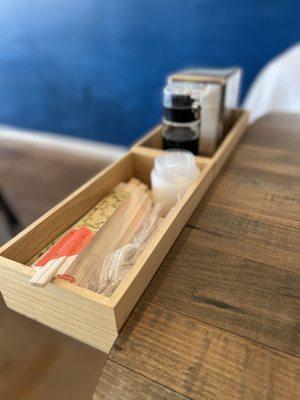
116 264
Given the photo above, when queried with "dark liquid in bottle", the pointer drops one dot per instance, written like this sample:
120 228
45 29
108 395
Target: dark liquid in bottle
180 138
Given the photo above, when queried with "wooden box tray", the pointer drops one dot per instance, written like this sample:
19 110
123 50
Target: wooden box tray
87 316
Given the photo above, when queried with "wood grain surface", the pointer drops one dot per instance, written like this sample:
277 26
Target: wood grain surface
134 385
221 318
199 361
242 296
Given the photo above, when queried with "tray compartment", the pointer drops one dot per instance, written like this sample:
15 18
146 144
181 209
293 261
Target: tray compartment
87 316
151 143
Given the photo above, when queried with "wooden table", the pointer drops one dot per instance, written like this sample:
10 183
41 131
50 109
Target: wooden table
221 318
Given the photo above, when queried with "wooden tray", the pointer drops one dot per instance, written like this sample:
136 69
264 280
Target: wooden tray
87 316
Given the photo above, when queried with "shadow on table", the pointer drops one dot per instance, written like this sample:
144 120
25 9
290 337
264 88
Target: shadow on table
37 362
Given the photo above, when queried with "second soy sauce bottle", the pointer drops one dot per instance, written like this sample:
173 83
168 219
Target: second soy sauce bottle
181 116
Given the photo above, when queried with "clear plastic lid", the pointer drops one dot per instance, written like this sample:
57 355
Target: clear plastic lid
175 164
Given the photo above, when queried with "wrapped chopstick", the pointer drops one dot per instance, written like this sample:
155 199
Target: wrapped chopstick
110 236
60 255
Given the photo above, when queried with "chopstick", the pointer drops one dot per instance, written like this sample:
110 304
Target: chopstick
78 240
119 229
64 255
109 237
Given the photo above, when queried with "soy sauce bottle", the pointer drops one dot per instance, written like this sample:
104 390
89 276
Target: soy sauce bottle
181 117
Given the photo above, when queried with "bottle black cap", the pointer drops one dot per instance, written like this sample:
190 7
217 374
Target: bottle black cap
180 115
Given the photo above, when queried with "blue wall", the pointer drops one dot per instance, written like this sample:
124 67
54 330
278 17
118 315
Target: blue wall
95 68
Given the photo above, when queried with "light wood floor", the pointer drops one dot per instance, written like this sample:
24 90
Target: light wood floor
36 362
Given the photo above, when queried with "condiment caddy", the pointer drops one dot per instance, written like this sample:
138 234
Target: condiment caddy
81 313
